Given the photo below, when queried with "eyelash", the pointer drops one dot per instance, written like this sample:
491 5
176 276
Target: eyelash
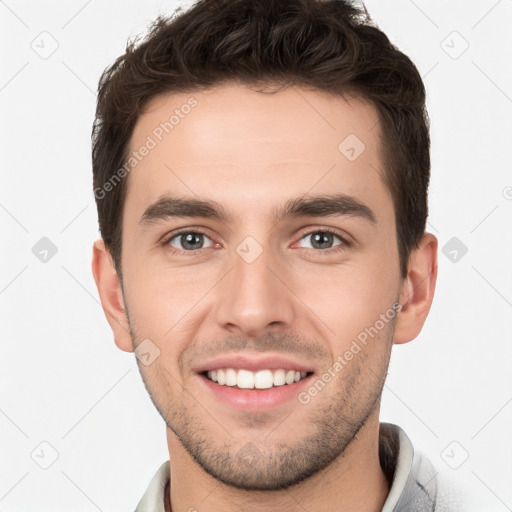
343 246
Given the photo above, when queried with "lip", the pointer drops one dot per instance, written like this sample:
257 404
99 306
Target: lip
254 400
254 362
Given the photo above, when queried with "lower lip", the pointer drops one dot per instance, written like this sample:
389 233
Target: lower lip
255 400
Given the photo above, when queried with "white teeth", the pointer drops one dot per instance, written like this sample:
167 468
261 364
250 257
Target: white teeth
245 379
279 378
262 379
231 379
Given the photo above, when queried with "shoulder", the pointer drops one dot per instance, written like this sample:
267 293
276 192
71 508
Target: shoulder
153 498
415 483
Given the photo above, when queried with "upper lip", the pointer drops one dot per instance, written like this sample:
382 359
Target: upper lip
253 363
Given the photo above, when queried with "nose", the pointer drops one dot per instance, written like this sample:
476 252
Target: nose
255 296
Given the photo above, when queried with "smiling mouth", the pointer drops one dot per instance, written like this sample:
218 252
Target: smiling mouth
261 379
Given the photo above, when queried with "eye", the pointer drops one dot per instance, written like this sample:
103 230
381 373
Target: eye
188 241
323 239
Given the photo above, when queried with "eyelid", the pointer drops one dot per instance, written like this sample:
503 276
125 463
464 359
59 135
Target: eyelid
165 240
185 229
309 230
345 238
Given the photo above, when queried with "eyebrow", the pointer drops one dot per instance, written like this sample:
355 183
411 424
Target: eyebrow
169 207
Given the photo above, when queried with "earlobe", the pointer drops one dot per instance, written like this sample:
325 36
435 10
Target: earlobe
111 295
417 290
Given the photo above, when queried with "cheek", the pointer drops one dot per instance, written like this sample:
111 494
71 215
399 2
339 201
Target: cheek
348 300
162 301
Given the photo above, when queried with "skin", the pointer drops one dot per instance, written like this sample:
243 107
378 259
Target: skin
251 152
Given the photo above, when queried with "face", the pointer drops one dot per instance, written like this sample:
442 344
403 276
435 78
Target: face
260 261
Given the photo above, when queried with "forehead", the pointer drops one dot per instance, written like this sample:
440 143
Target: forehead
247 149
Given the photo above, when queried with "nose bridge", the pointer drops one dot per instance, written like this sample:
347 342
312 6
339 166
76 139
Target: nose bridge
253 297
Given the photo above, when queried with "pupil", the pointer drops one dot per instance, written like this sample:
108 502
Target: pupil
191 239
322 239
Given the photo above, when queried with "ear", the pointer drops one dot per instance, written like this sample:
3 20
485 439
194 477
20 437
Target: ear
111 295
417 290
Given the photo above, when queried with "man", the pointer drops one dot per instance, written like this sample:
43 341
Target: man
261 170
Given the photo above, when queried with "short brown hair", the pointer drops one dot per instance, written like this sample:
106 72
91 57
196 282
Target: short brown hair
330 45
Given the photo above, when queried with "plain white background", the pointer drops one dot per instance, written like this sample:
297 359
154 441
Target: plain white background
64 383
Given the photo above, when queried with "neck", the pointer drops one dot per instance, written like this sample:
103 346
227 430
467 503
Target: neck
354 481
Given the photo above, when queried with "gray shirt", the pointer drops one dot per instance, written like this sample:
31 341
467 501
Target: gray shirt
414 481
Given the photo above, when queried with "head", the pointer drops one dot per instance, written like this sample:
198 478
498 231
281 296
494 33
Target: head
261 172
